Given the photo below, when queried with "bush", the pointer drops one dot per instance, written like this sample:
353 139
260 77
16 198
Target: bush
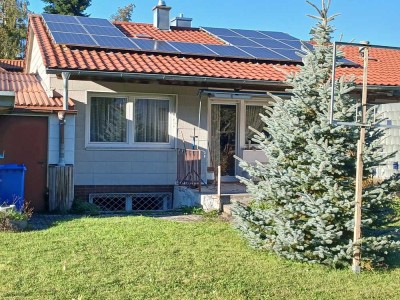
82 207
10 217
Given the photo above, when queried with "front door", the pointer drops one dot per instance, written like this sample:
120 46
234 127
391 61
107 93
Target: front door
224 139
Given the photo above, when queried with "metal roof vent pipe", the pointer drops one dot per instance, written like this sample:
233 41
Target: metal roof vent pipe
161 16
361 49
182 21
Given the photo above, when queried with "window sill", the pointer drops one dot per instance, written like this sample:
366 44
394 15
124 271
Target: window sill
129 148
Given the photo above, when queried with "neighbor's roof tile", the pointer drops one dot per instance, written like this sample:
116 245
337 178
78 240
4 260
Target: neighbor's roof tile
29 93
12 65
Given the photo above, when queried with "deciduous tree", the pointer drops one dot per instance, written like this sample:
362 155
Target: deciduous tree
13 24
124 13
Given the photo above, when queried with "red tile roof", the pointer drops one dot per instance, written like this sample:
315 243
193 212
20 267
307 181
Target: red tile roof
12 65
383 66
91 59
61 57
29 93
190 35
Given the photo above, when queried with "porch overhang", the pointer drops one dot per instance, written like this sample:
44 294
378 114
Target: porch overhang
239 95
7 101
175 79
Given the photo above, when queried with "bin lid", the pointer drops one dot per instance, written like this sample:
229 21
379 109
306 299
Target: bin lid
13 167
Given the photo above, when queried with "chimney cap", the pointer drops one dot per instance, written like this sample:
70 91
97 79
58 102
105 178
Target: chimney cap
161 3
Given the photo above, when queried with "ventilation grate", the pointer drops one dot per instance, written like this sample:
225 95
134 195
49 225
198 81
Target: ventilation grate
122 202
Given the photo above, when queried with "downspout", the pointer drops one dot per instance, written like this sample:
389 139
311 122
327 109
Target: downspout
199 121
61 118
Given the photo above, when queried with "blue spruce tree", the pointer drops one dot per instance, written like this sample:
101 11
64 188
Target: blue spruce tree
303 198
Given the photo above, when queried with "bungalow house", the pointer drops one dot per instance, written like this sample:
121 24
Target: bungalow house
143 92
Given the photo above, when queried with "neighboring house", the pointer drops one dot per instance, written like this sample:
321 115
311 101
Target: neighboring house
28 126
12 65
137 107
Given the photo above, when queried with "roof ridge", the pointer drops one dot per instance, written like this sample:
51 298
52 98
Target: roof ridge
134 23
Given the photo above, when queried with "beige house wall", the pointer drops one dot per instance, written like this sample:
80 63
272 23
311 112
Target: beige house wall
133 166
36 66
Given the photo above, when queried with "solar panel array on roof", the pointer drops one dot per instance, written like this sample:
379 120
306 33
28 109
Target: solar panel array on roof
240 43
261 44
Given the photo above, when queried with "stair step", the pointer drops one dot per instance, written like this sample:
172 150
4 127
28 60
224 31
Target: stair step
227 209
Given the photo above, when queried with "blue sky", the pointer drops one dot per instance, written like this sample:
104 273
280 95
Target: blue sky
359 19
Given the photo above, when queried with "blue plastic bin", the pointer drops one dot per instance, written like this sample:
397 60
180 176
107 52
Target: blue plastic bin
12 179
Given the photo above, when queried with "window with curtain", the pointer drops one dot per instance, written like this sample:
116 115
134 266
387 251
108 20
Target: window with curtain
108 123
253 119
151 121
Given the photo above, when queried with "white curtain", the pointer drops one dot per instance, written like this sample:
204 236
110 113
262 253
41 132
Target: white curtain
108 120
151 121
253 119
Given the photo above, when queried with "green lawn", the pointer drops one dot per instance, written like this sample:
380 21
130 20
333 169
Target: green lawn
145 258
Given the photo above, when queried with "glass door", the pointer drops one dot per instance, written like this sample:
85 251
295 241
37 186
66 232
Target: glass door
223 138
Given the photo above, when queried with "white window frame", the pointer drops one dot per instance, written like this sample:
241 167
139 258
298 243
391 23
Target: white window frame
241 122
130 115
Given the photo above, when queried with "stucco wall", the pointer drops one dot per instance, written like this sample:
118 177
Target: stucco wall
391 142
133 166
69 139
36 66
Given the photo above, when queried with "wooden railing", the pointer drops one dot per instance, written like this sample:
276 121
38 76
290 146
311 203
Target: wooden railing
189 168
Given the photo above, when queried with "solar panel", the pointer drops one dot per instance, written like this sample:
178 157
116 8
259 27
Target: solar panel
279 35
240 41
271 43
289 53
346 62
151 45
60 19
191 48
263 53
73 39
228 51
295 44
108 31
250 33
66 27
221 31
114 42
94 22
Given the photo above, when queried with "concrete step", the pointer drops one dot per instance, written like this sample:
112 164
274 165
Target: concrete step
241 198
227 209
228 202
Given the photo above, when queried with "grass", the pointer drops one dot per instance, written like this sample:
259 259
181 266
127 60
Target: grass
146 258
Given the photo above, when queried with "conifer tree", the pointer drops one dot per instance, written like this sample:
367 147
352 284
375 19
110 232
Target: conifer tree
303 198
67 7
13 21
